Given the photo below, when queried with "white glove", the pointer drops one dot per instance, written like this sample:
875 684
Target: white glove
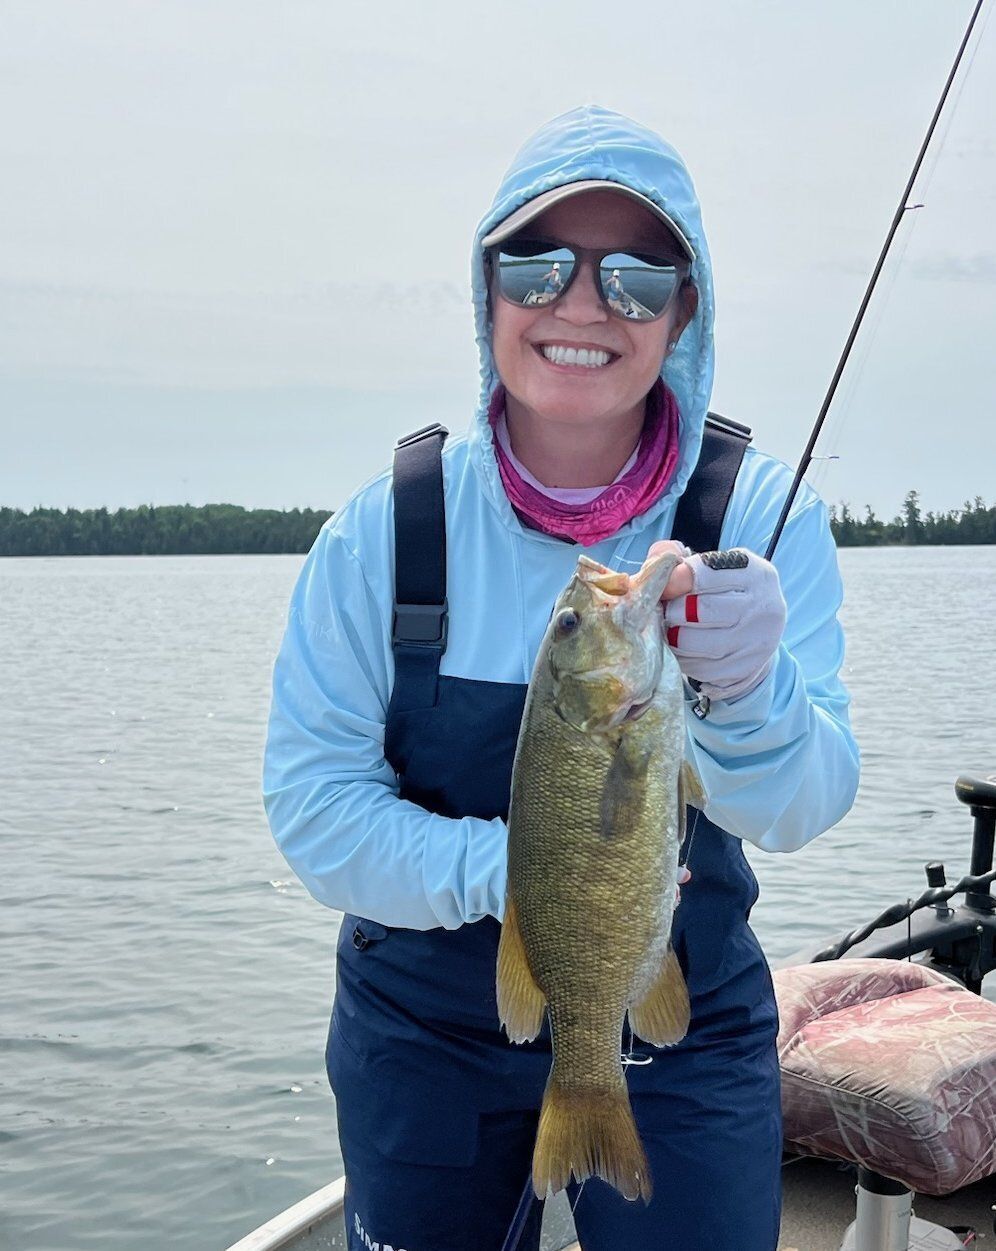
726 630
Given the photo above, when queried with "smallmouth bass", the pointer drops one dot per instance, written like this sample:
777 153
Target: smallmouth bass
596 822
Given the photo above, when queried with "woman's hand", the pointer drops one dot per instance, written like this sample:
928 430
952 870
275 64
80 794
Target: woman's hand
725 615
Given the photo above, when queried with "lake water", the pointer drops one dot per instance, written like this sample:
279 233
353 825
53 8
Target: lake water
166 982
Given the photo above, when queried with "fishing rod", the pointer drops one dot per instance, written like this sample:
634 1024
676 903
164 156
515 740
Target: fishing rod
904 207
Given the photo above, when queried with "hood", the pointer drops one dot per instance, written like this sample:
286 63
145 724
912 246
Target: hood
594 142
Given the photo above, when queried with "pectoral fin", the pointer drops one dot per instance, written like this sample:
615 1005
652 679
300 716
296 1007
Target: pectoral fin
521 1003
625 792
662 1016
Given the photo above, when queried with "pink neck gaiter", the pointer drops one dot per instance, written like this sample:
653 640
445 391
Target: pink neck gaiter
637 487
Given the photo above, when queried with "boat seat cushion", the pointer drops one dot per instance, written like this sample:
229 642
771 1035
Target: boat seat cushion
889 1065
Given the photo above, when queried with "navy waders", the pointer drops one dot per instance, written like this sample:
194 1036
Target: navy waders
437 1111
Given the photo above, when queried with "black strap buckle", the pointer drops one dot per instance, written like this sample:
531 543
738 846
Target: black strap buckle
416 436
424 625
729 426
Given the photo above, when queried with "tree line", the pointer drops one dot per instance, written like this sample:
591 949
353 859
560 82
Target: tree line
222 529
974 522
171 530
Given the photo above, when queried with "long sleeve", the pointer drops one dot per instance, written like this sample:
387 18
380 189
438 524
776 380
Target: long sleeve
781 765
331 796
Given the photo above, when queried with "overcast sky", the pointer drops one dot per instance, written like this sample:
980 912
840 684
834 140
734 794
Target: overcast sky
234 237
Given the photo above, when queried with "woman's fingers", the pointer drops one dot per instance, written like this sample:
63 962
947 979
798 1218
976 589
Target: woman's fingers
681 580
684 875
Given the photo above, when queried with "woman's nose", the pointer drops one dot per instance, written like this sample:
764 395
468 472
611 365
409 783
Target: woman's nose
581 304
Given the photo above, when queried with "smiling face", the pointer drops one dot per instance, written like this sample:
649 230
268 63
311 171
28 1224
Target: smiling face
544 390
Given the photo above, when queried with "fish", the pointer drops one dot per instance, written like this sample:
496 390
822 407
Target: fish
596 822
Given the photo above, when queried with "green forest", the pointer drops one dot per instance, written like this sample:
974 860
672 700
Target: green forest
172 530
222 529
974 522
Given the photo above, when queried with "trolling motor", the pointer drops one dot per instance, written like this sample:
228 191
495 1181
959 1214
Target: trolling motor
958 941
980 795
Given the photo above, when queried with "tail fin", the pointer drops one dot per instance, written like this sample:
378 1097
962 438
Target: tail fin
589 1133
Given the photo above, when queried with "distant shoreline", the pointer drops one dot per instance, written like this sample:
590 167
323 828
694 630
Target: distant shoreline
170 530
972 524
231 530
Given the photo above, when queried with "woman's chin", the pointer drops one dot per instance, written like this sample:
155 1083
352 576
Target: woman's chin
581 404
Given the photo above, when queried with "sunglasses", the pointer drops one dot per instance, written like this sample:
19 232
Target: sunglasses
637 286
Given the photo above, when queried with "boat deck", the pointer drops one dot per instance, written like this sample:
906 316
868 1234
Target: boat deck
819 1205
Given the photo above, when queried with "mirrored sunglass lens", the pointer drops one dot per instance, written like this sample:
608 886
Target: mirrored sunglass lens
637 288
530 275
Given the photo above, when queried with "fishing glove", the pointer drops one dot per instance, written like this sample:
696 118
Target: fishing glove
726 630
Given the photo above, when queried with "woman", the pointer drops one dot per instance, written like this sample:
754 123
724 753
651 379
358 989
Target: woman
391 806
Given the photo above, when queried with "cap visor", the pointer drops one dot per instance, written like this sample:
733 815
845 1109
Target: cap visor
532 209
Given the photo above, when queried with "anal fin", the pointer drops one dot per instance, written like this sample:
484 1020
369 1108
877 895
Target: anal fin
662 1015
521 1003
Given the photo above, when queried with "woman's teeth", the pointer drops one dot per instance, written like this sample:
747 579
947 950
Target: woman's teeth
591 357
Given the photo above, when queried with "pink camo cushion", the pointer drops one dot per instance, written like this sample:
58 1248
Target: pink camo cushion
889 1065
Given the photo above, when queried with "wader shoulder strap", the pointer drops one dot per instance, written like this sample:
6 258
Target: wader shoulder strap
418 631
698 520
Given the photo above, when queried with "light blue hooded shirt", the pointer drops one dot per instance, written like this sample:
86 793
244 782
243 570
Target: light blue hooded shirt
780 765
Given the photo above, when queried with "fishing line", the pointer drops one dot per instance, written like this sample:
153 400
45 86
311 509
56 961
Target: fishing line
845 405
924 182
628 1058
901 211
849 389
689 840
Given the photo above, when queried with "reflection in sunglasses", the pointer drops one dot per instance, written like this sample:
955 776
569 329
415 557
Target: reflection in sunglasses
530 273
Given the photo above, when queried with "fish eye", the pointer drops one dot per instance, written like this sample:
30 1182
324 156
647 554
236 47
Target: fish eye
567 622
